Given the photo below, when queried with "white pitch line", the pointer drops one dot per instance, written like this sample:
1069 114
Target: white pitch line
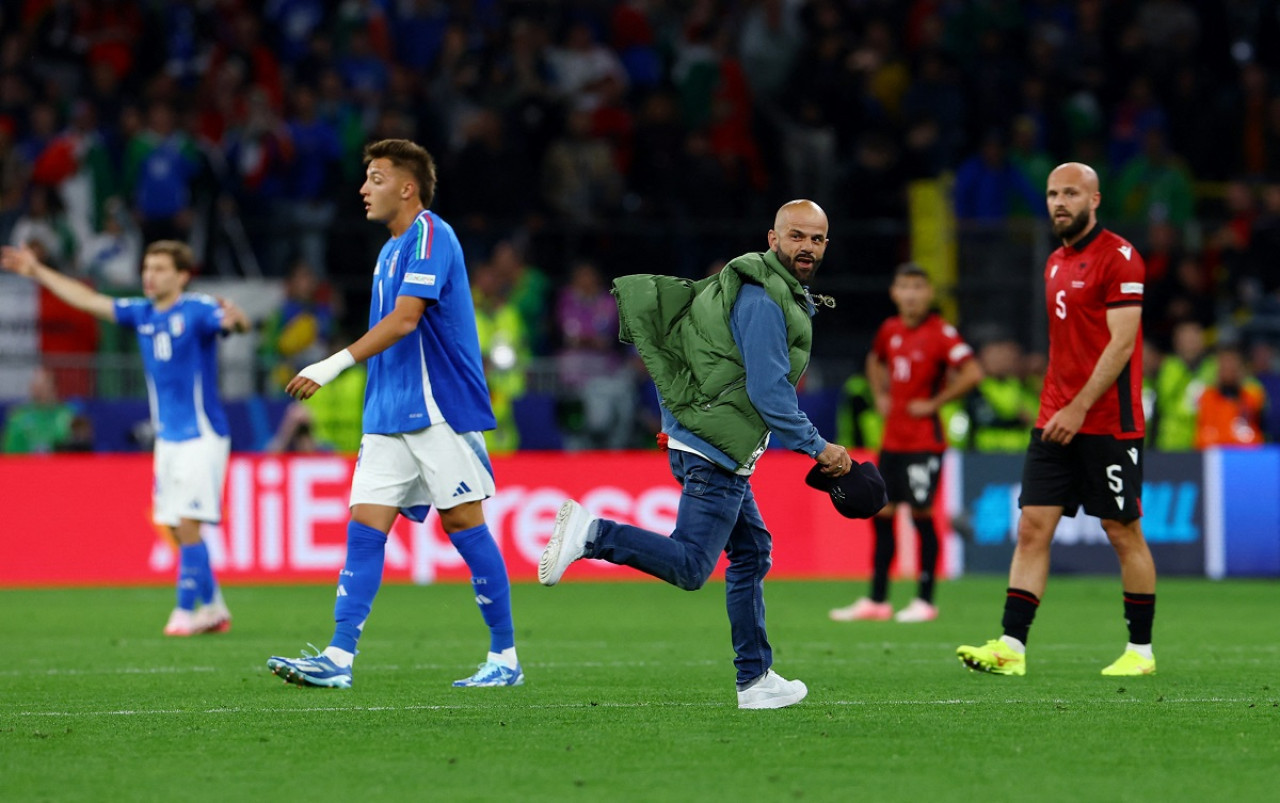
562 706
125 670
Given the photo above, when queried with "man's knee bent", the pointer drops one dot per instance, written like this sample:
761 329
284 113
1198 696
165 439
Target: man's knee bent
693 575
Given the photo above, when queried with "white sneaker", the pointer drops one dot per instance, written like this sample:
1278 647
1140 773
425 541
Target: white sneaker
213 618
917 611
772 691
863 610
568 542
181 623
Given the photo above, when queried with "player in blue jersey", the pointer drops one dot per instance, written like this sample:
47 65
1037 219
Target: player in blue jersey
177 333
426 405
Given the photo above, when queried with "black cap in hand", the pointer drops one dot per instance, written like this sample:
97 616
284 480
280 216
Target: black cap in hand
857 495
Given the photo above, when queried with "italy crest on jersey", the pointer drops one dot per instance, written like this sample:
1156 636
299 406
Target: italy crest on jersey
176 324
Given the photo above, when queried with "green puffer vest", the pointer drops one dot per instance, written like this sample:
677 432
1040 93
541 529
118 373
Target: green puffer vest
681 330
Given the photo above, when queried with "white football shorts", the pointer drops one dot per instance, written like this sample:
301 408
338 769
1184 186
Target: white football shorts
432 466
189 477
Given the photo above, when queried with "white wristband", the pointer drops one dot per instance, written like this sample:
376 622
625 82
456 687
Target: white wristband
325 371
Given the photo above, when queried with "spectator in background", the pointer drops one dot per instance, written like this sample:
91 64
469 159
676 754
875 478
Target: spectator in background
64 332
1181 381
1028 157
986 188
1261 280
43 423
1252 96
580 179
42 128
989 184
110 257
807 119
1152 357
1132 119
1165 33
292 24
521 83
363 72
581 66
1002 409
490 181
1163 249
934 118
769 41
656 165
76 164
591 365
295 434
258 154
1232 409
504 352
858 421
13 177
528 289
161 162
296 334
1265 368
1192 295
44 222
240 42
1154 185
329 421
311 174
336 417
1227 246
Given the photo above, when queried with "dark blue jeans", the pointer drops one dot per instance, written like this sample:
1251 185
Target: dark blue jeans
717 514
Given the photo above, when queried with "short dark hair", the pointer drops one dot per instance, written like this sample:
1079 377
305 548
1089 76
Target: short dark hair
184 259
911 269
409 156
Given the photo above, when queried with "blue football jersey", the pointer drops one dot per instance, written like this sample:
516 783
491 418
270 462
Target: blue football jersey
180 354
434 374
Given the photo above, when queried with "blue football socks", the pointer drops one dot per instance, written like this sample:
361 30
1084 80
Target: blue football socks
206 587
194 575
357 584
490 583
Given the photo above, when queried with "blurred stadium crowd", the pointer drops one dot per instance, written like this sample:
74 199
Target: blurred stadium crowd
582 140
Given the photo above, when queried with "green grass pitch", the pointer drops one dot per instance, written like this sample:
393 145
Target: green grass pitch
630 697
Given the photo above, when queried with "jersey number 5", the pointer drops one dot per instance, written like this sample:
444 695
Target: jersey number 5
1060 307
162 346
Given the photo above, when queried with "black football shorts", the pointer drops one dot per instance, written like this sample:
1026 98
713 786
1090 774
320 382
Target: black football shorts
1101 472
911 477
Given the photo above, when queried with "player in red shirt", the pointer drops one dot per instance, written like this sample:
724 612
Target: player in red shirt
1086 448
917 363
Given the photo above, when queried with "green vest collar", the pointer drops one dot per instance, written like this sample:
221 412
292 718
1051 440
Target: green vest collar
775 264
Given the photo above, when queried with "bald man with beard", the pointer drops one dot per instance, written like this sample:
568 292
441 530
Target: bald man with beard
1086 447
725 353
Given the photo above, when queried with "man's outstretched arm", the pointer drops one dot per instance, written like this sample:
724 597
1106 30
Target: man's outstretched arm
23 262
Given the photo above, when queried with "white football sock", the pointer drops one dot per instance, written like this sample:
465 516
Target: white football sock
507 658
341 658
1141 649
1015 645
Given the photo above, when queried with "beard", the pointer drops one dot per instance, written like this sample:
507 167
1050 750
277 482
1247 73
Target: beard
1070 229
789 262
